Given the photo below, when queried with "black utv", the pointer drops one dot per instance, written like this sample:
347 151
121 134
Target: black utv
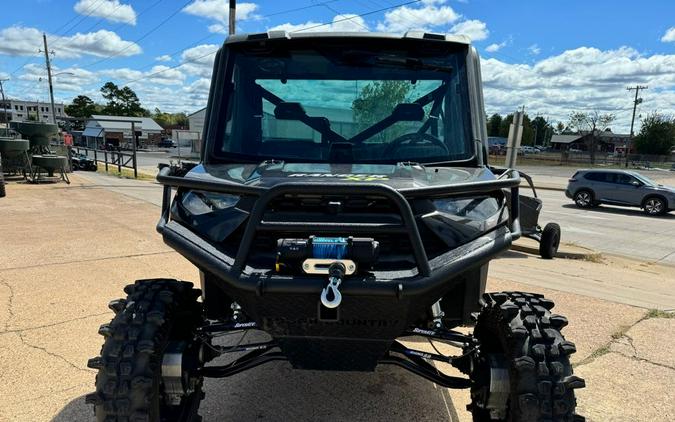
343 201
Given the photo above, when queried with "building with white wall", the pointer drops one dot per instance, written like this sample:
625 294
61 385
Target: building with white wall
22 111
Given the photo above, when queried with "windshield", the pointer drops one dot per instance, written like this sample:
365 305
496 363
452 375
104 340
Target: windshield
332 104
644 179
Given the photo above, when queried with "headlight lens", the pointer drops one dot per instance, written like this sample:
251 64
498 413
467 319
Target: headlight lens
477 209
201 202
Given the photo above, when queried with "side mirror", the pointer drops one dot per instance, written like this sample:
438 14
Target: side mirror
408 112
636 183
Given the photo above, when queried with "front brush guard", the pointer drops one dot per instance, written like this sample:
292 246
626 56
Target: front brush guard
430 274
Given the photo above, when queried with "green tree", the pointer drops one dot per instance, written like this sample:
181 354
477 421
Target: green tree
593 123
560 128
376 101
542 131
121 101
170 120
82 106
528 133
493 124
657 134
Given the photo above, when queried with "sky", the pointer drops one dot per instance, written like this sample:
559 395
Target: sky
553 57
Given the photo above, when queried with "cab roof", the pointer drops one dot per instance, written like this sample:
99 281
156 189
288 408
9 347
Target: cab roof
410 35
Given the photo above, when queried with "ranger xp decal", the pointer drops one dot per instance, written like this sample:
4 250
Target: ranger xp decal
345 176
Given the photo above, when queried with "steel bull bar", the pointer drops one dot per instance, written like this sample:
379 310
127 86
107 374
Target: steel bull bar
430 274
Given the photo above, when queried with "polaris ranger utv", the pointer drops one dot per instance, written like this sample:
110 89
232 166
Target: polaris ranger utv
343 202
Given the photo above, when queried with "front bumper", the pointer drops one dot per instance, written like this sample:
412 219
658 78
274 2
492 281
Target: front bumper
376 308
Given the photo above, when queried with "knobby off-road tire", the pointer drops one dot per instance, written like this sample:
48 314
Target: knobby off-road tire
550 241
129 385
521 329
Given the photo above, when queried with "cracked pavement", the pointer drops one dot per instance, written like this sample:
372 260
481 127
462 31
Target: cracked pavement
66 251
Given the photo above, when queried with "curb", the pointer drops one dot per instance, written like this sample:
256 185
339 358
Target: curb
543 187
586 256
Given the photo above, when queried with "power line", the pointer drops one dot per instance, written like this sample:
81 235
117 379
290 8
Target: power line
84 16
142 37
91 9
87 13
304 29
298 9
357 16
341 14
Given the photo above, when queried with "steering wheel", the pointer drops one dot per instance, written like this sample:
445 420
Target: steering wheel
410 139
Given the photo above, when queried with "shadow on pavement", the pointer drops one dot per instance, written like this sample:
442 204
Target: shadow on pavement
278 393
513 254
608 209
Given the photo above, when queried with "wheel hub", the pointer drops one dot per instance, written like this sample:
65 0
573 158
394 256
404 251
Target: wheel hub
172 372
496 387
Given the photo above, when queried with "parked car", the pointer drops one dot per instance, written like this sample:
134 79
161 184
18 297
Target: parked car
166 143
497 150
529 150
81 162
589 188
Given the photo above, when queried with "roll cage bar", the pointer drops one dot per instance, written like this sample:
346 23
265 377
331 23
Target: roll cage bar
322 125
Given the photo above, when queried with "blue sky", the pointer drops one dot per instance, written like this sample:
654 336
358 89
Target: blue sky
551 56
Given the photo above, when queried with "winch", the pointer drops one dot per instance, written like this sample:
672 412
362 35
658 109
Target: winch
332 256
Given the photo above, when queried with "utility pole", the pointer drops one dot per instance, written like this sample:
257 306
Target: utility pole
515 136
4 105
637 101
233 15
49 76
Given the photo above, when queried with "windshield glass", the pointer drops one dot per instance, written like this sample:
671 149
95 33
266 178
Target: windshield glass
644 179
330 104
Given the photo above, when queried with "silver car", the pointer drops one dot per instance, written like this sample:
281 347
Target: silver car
589 188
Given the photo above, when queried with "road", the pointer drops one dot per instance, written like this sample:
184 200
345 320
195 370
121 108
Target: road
606 229
614 230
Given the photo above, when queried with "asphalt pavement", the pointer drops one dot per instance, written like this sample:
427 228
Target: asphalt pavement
606 229
611 230
56 281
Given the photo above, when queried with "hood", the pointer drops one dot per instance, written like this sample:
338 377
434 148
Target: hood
663 188
398 176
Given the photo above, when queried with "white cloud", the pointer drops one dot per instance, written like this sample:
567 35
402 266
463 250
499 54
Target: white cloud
111 10
534 49
432 13
493 48
218 28
159 74
581 79
163 58
199 60
25 41
64 79
219 10
340 23
473 28
669 36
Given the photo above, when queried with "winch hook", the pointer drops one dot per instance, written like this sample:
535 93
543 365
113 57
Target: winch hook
330 295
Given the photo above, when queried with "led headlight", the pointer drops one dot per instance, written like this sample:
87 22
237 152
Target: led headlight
477 208
201 202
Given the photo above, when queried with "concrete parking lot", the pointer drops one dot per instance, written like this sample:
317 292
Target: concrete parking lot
68 250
